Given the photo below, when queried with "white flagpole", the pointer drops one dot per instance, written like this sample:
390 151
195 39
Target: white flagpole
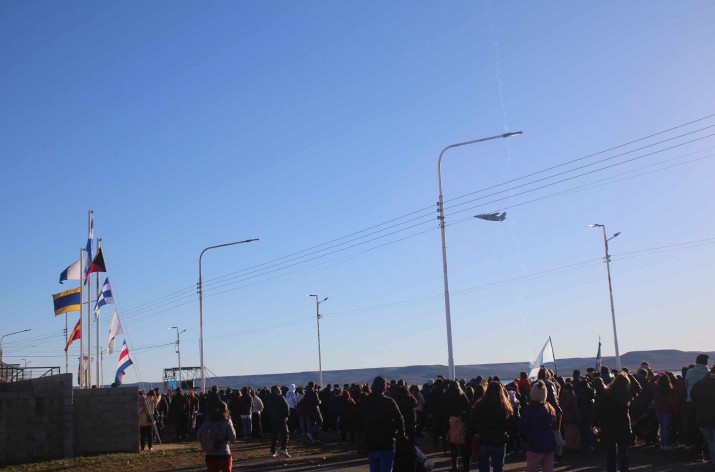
81 317
89 310
98 381
67 351
553 354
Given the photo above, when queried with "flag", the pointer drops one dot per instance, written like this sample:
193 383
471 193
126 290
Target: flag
598 356
88 249
114 330
546 355
125 360
69 300
71 273
76 334
105 297
97 265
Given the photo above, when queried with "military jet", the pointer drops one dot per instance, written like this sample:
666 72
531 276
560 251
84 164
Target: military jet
496 216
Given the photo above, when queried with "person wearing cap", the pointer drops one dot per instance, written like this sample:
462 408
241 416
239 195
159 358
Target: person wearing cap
382 423
537 423
693 376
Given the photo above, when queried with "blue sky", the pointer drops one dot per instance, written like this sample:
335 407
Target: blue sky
185 124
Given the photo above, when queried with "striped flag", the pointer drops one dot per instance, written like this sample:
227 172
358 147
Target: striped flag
105 297
76 334
125 360
69 300
71 272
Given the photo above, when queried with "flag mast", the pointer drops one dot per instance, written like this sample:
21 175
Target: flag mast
89 306
99 379
81 317
67 354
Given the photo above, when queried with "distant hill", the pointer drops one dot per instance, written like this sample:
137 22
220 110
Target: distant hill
660 360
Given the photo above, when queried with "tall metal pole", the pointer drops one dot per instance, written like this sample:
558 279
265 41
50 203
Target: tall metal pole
89 316
178 349
67 352
1 340
450 355
317 317
96 322
81 318
610 290
201 309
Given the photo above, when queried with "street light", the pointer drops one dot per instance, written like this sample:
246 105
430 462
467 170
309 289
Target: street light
201 308
317 316
26 362
452 374
10 334
610 288
178 349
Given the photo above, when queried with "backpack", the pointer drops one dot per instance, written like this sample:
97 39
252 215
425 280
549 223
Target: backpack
210 436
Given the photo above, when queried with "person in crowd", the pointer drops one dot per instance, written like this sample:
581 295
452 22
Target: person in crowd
614 421
179 411
245 411
703 397
234 401
382 423
147 406
212 400
256 428
278 413
311 403
492 415
408 405
663 394
292 398
692 376
537 423
571 417
419 411
457 411
435 406
215 434
347 410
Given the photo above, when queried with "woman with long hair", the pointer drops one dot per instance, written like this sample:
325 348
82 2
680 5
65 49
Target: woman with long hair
214 434
664 405
614 421
491 417
537 423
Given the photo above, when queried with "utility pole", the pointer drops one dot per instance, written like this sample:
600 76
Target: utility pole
178 348
317 317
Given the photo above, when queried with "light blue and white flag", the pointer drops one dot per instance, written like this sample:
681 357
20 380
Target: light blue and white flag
71 272
105 297
546 355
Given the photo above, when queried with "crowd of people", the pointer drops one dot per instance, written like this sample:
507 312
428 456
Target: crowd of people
481 421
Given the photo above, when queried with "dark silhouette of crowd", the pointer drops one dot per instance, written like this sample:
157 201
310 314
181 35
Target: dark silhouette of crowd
481 421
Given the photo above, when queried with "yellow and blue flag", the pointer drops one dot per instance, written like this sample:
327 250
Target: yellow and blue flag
69 300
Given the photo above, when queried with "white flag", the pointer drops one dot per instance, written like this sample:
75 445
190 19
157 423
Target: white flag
114 330
546 355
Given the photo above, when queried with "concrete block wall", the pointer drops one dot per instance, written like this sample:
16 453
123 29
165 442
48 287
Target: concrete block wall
106 420
36 419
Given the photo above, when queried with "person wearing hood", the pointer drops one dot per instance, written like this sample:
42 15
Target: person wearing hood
292 399
693 376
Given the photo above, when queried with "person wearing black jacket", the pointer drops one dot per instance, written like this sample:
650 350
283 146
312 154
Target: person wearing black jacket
278 412
382 422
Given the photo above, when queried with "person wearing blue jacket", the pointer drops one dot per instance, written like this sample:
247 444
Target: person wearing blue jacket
537 423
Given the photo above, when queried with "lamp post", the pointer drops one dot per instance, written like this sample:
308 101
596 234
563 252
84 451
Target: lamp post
10 334
452 374
201 308
317 317
178 348
610 288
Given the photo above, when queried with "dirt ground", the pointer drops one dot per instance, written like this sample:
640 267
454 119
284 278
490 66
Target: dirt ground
330 454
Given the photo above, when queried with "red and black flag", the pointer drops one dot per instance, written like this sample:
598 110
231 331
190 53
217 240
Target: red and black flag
97 264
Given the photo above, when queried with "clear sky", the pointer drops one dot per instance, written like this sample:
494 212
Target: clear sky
188 124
